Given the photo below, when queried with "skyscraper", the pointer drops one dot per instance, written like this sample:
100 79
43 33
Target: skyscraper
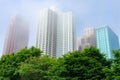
87 39
17 35
55 34
47 31
107 40
65 33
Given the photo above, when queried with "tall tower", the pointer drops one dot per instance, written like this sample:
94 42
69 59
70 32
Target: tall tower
87 39
65 33
107 40
17 35
55 33
46 32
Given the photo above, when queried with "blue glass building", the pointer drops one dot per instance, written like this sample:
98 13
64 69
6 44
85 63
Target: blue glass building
107 40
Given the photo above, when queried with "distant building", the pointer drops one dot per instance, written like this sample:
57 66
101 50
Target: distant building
47 31
87 39
17 35
107 40
55 33
66 37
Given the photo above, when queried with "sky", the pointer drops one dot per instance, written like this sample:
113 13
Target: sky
87 13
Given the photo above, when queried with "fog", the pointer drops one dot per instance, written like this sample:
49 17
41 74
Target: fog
92 13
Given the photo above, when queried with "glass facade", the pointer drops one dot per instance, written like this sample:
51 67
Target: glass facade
107 41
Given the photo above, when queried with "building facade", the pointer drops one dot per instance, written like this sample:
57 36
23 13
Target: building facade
87 39
107 41
55 32
65 33
17 35
46 32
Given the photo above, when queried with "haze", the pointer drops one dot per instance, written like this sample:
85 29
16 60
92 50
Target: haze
88 13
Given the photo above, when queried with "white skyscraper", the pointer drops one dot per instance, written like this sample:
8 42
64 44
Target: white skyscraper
17 35
46 32
65 33
87 39
56 33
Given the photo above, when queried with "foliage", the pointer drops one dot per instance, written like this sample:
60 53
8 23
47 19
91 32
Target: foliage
10 63
116 65
89 64
36 68
85 65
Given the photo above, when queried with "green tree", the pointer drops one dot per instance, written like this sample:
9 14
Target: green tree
116 65
89 64
10 63
36 68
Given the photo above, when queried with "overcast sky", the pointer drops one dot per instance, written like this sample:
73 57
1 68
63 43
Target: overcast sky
87 13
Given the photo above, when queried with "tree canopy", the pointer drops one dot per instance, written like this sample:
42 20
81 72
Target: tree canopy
10 63
31 64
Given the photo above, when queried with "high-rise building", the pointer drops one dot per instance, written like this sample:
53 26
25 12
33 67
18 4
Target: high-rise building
65 33
47 31
17 35
87 39
55 33
107 41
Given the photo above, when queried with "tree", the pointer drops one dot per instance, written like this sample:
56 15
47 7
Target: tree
89 64
116 65
30 64
36 68
10 63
